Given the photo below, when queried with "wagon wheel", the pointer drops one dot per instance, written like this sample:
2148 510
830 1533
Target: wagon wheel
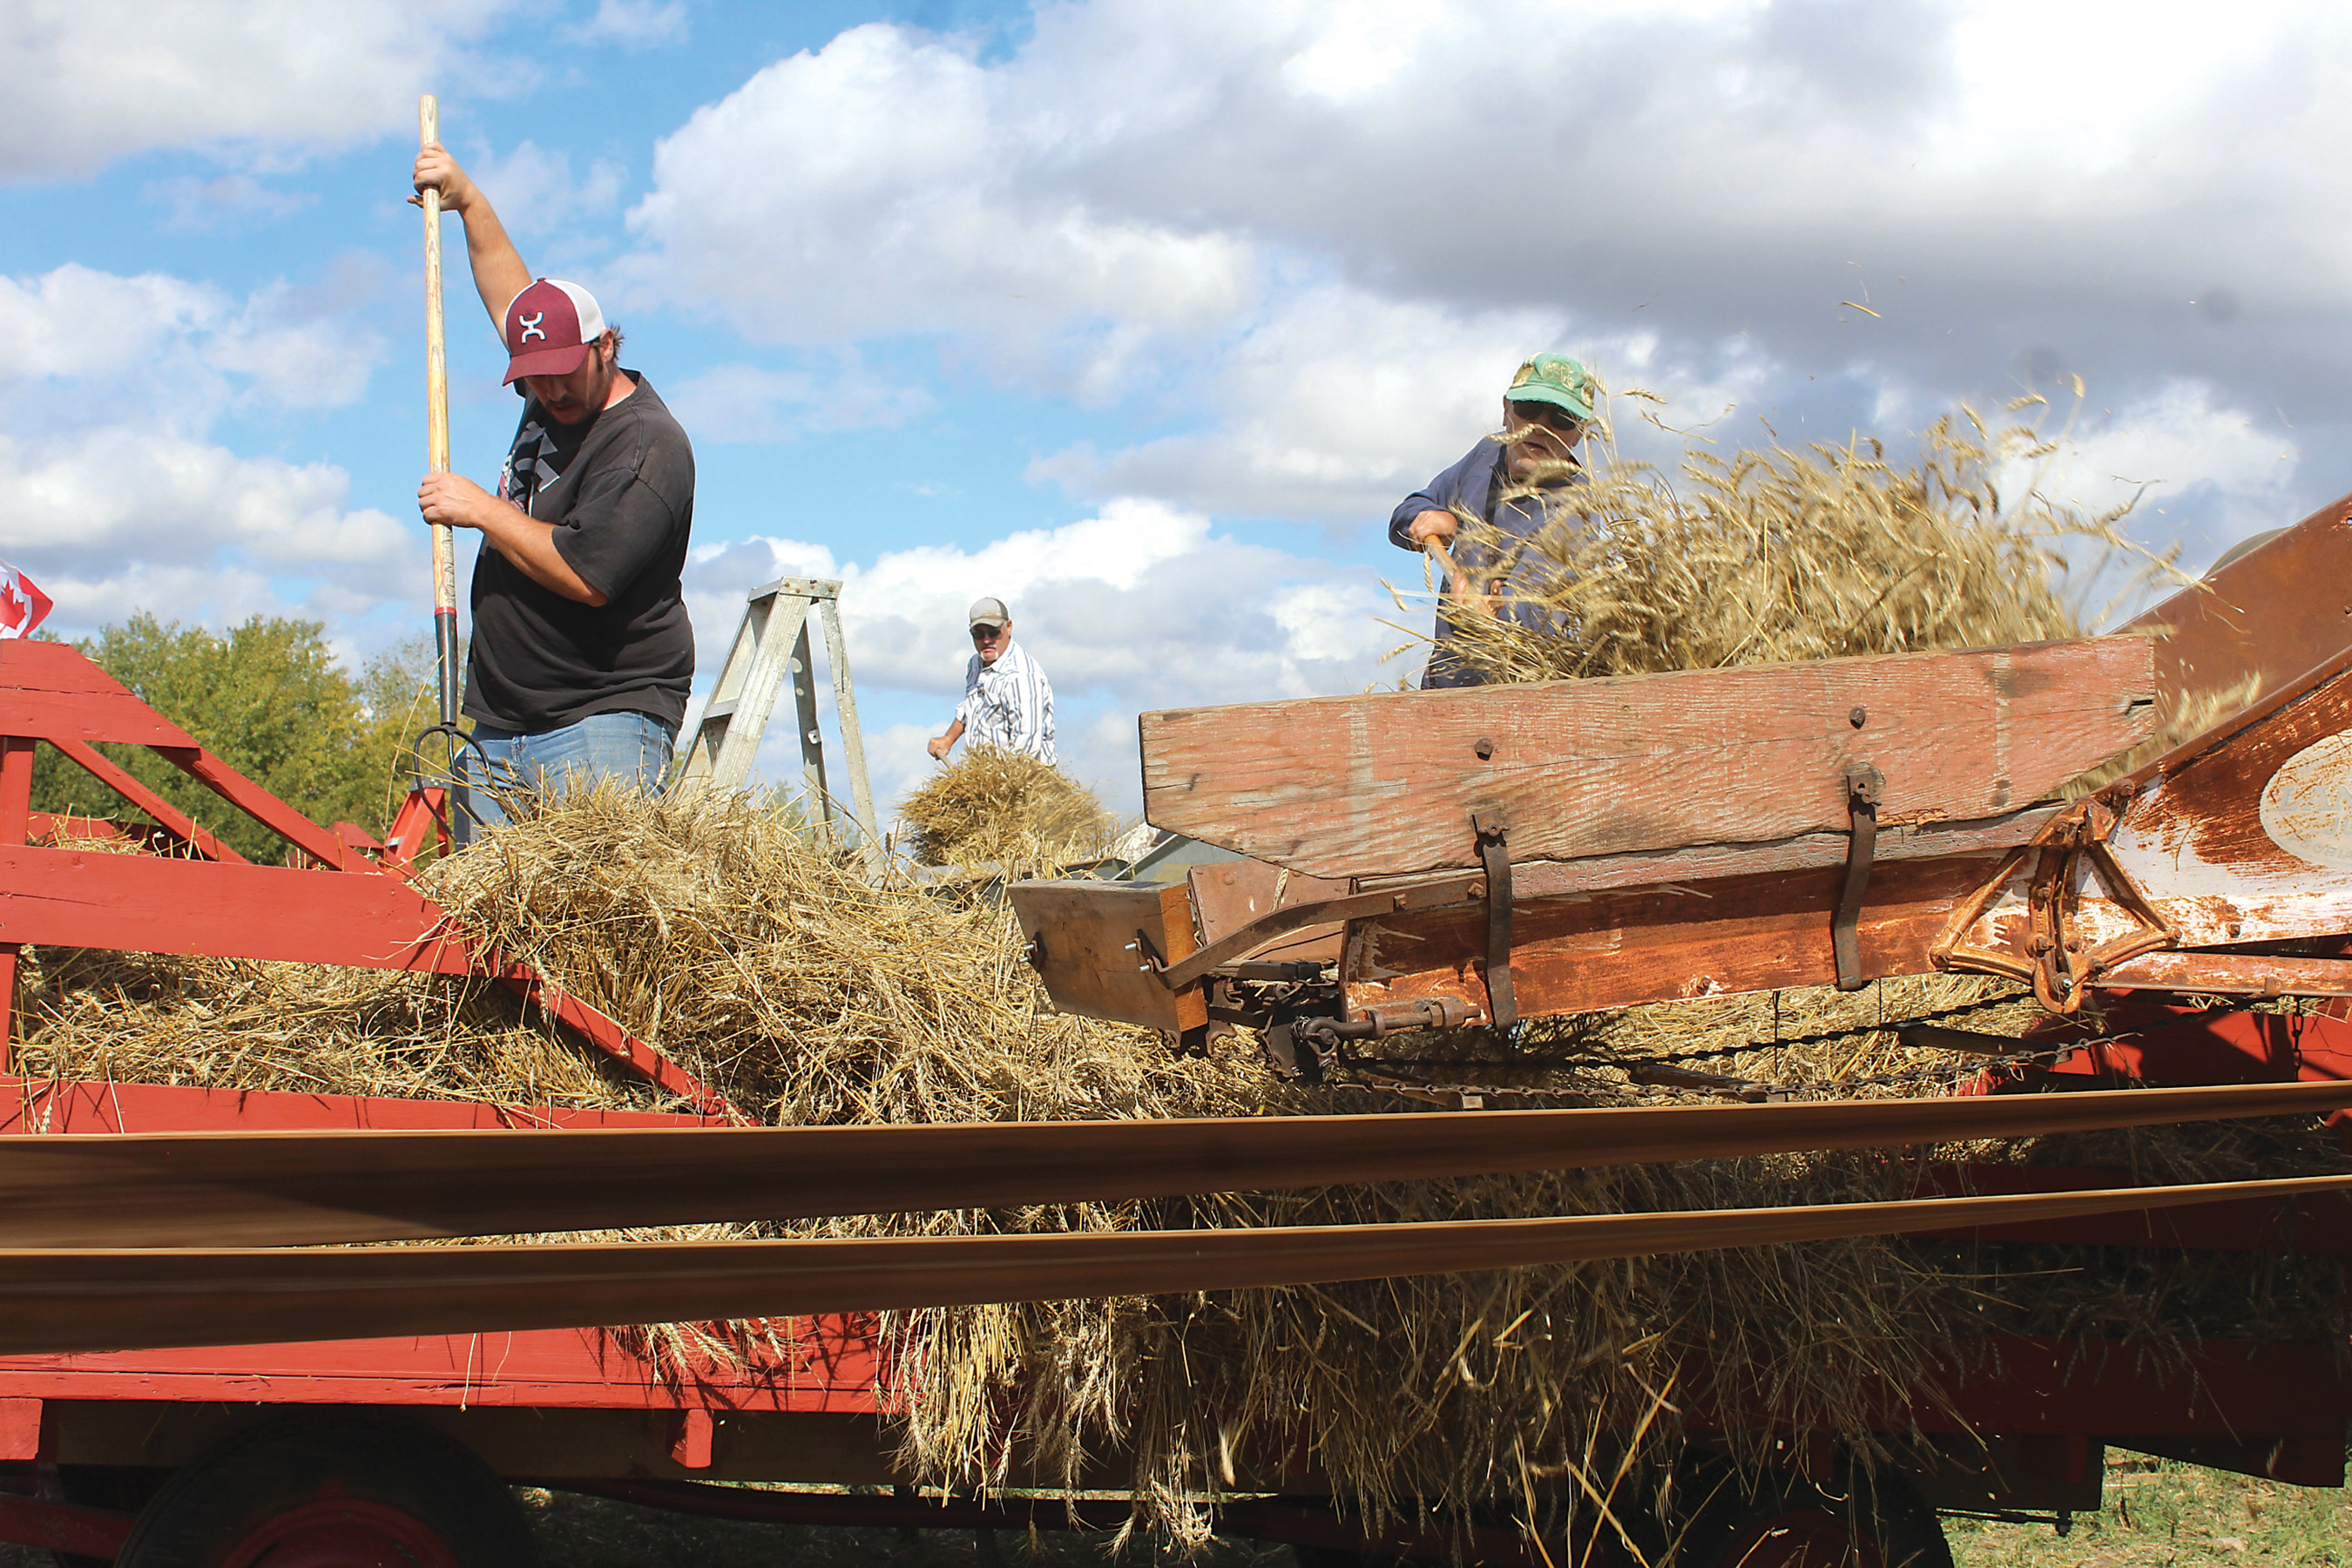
332 1491
1858 1521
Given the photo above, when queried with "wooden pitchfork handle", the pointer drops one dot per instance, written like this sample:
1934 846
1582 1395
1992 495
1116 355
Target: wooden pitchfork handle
436 430
1457 581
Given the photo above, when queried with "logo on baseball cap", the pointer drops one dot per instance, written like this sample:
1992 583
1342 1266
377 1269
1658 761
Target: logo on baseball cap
1558 380
549 327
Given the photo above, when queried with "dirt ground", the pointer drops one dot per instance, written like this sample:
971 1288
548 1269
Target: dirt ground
2157 1515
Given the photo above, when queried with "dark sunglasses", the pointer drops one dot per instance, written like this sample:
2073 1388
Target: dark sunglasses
1549 415
986 634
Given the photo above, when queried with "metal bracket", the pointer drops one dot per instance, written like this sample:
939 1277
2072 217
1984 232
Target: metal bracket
2064 964
2057 959
1494 828
1864 786
1234 947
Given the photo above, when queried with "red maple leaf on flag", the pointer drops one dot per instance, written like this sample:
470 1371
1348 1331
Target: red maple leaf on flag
23 607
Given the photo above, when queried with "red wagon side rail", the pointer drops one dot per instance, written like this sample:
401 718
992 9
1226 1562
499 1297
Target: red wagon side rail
351 900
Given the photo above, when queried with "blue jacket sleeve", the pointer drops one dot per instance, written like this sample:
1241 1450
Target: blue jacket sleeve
1458 486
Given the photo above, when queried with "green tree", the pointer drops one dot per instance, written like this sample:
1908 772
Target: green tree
270 700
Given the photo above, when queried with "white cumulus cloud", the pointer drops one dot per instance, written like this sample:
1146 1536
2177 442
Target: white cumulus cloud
1307 240
885 185
85 81
535 190
114 493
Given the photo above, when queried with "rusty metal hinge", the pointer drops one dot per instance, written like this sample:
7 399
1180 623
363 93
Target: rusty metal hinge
1864 786
2056 956
1494 830
2072 849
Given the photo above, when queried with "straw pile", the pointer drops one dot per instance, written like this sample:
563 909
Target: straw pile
770 968
1004 810
1777 555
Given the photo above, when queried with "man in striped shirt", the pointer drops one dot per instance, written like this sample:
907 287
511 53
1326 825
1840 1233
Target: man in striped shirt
1006 700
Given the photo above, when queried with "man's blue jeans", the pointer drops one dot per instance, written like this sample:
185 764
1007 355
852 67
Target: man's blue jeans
631 747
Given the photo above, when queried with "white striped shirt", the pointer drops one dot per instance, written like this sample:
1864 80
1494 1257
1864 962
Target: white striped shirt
1008 704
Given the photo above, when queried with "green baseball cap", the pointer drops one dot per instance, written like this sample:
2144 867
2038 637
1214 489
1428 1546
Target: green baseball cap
1555 379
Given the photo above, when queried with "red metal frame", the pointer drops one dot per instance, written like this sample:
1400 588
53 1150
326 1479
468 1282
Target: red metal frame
2151 1037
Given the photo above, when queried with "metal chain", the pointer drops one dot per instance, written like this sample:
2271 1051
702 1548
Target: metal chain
1711 1053
1947 1072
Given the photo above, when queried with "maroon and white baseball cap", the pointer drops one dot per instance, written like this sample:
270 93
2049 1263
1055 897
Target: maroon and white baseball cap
549 327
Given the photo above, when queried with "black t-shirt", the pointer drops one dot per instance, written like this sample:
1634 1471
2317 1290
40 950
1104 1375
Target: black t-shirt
619 488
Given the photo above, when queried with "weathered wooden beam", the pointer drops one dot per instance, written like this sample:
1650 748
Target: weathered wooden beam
1383 785
1709 862
1597 950
2255 625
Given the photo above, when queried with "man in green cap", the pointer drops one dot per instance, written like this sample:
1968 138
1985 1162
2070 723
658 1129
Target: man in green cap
1507 481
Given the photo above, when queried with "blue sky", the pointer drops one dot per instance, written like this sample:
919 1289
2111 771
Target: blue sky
1139 315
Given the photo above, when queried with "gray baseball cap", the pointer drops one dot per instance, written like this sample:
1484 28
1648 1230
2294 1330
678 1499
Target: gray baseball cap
988 612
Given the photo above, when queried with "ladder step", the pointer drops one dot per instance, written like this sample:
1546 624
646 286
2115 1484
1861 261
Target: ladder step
718 711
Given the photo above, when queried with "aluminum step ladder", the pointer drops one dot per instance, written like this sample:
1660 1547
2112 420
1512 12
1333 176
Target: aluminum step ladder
772 646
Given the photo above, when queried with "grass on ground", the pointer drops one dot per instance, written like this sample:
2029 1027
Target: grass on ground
2159 1514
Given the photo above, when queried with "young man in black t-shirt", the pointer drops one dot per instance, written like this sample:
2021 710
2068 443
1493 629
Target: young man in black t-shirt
582 652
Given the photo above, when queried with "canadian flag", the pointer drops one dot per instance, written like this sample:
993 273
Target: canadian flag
22 605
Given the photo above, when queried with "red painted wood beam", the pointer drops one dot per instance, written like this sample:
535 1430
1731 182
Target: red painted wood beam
42 1105
170 818
262 806
147 903
425 811
832 1365
602 1032
52 689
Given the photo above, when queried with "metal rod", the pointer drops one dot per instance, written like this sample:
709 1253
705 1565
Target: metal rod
67 1300
327 1188
1929 1037
437 425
